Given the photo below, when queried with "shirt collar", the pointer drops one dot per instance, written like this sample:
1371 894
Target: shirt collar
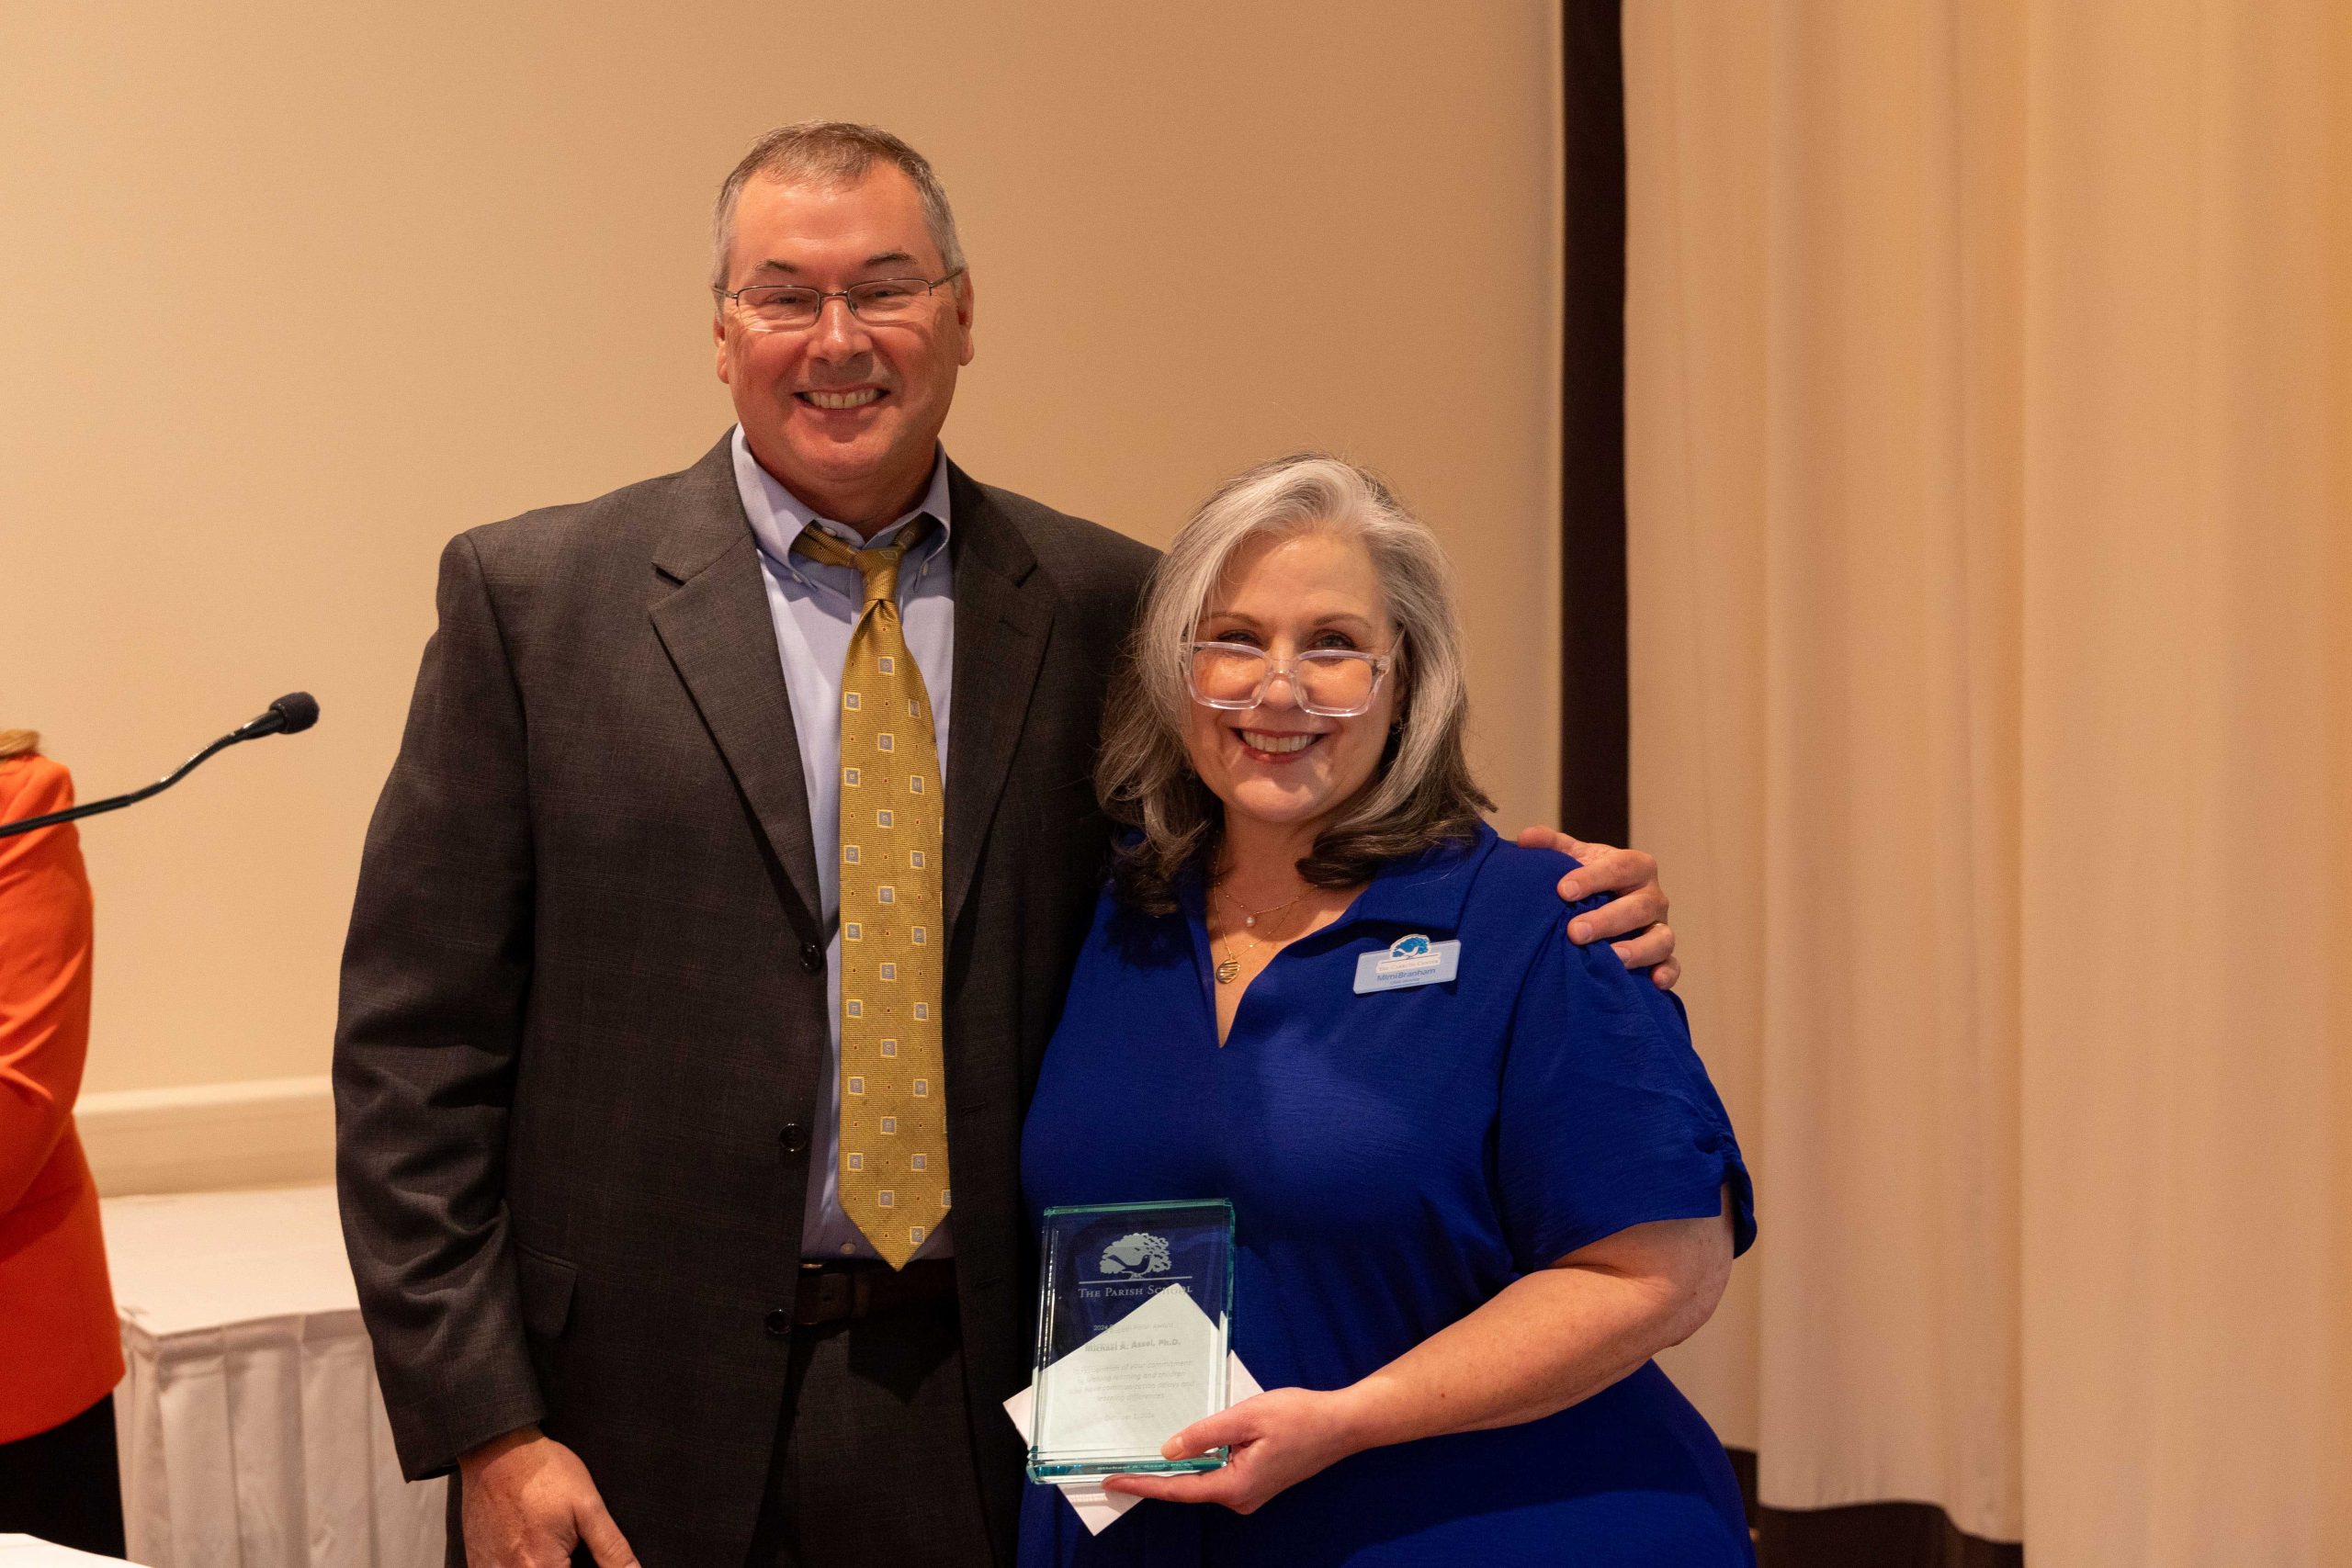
777 515
1423 892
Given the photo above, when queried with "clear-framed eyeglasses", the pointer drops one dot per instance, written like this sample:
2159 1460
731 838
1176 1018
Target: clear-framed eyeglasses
1334 682
792 307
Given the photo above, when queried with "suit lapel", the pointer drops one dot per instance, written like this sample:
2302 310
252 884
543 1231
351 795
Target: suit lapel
1003 617
713 621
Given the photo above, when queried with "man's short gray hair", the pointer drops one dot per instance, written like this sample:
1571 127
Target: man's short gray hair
1422 794
831 151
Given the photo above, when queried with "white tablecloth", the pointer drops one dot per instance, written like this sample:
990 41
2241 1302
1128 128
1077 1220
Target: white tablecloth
27 1551
252 1430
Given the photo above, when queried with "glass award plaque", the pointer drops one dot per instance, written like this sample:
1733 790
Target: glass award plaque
1133 1321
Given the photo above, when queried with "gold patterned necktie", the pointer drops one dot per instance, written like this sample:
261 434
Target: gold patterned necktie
893 1159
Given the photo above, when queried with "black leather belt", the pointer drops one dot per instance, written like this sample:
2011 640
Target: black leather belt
866 1287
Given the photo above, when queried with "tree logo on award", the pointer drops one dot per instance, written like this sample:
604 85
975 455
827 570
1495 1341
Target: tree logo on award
1137 1253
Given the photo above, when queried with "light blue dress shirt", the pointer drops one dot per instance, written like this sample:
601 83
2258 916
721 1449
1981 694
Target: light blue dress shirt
815 608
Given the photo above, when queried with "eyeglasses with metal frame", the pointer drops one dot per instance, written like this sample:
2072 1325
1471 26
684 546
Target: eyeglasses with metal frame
793 306
1331 683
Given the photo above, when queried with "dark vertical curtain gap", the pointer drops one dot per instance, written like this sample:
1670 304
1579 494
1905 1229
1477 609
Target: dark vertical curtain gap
1594 802
1595 797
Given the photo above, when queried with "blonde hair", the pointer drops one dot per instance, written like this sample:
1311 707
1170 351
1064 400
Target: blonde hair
1421 794
19 742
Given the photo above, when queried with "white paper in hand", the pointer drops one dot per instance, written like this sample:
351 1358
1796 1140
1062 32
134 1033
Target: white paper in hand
1125 1391
1095 1507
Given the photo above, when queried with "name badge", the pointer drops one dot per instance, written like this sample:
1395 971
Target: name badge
1409 961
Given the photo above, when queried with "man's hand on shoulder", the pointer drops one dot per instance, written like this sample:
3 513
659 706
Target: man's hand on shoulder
529 1502
1636 908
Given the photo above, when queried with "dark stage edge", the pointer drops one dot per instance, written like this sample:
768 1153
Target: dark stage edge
1864 1535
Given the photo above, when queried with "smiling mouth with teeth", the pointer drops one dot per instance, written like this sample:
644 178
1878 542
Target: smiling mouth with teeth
857 399
1259 740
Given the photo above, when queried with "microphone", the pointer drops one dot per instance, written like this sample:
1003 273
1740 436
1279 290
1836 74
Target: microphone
289 714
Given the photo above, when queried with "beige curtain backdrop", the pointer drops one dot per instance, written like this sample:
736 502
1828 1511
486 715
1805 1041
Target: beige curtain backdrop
1989 378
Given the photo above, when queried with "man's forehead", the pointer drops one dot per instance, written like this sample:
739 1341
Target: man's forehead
882 193
785 266
778 219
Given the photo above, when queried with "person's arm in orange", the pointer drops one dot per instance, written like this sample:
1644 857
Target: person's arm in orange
44 973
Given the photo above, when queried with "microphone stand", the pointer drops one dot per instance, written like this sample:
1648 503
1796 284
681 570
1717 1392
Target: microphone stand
270 723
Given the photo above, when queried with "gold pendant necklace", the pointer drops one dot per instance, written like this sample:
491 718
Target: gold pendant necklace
1229 968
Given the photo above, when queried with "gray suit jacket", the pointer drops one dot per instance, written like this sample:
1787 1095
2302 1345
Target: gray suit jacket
583 1003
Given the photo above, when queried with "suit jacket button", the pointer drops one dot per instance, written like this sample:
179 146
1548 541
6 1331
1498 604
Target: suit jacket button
780 1324
795 1137
812 957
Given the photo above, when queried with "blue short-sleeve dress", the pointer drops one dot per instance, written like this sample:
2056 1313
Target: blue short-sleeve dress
1395 1159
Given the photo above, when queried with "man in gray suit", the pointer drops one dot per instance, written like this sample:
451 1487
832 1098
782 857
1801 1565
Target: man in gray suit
590 1063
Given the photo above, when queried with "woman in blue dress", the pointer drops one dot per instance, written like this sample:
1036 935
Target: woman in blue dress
1479 1176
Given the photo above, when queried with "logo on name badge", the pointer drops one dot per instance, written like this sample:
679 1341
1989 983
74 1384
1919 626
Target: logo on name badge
1406 955
1410 961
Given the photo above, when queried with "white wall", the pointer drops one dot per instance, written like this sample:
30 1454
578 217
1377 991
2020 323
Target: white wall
290 293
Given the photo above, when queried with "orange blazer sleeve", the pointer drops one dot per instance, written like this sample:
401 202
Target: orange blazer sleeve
44 974
60 1349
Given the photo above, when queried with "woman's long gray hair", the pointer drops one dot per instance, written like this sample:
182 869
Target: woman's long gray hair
1421 794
